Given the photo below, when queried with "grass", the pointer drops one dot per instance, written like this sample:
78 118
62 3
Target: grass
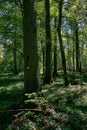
69 103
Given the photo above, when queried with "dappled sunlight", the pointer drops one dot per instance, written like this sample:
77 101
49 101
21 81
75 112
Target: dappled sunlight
56 91
51 96
84 97
71 104
16 86
70 97
65 104
10 87
1 88
60 92
7 80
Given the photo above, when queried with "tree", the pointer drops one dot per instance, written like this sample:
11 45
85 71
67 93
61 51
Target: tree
55 48
11 36
31 67
73 17
61 44
15 57
48 67
77 48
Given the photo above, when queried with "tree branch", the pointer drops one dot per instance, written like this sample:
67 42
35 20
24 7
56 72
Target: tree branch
13 49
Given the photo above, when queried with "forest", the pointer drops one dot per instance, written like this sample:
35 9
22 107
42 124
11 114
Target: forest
43 64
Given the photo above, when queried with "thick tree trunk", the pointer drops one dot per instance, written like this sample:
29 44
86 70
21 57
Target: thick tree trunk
48 66
61 44
31 68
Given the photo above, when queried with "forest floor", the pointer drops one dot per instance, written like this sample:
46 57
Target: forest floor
56 107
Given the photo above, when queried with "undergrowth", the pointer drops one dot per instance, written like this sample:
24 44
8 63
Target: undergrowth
54 108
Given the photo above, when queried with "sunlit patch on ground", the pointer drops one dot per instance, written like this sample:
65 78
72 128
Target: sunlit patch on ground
69 103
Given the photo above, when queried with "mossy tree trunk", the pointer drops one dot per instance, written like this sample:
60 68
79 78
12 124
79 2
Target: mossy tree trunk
31 67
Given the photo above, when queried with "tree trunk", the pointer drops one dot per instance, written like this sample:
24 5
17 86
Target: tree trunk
43 55
15 46
31 67
77 49
48 66
55 48
69 66
61 44
73 54
15 57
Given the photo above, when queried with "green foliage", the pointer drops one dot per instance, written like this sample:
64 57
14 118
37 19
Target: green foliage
11 31
12 16
37 99
11 97
40 117
70 105
78 121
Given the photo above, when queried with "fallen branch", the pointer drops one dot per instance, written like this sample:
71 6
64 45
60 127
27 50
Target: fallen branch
18 110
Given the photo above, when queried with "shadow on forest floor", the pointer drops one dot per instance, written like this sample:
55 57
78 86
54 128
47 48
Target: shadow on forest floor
9 79
11 94
69 102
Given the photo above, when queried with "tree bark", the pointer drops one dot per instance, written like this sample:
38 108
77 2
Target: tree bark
43 55
15 57
61 44
48 67
77 49
55 48
31 67
73 58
